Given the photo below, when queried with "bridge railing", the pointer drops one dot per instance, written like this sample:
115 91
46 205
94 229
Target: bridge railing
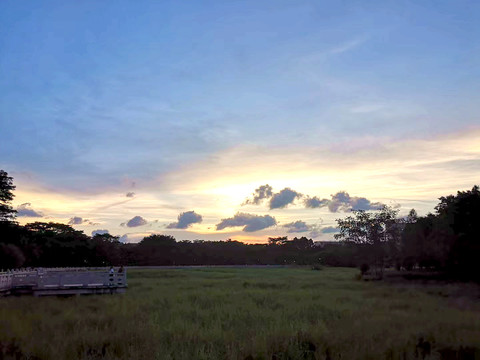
62 278
78 278
5 281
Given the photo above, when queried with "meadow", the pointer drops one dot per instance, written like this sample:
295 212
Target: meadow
246 313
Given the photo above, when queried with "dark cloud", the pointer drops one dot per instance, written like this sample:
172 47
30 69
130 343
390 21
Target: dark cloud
186 219
365 204
250 222
330 230
315 233
136 221
301 226
277 200
263 192
123 238
283 198
24 210
99 232
315 202
297 227
130 194
76 220
343 201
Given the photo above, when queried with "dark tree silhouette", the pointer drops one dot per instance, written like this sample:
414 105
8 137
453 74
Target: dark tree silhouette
7 213
106 250
461 213
373 231
61 244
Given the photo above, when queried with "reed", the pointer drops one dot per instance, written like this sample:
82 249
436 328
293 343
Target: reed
225 313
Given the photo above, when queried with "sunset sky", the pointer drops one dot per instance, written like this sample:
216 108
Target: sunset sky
236 119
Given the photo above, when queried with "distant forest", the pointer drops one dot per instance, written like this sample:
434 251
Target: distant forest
447 240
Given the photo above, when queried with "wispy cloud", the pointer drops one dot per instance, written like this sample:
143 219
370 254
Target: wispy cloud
347 46
340 48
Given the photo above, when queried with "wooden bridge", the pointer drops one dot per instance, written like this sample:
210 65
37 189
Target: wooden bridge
63 281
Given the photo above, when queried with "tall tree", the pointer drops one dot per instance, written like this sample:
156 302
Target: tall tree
462 213
7 213
373 231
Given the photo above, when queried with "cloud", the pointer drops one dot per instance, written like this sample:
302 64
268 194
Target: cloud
315 233
186 219
263 192
365 204
301 226
297 227
330 230
24 210
134 237
136 221
76 220
315 202
99 232
325 54
250 222
277 200
342 201
130 194
347 46
283 198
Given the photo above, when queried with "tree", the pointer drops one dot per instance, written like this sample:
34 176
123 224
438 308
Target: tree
106 249
157 250
372 231
277 240
461 213
11 256
7 213
61 244
448 240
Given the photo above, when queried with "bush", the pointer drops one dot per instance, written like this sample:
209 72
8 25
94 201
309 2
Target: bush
364 268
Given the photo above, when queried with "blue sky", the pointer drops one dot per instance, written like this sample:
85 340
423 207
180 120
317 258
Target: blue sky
192 106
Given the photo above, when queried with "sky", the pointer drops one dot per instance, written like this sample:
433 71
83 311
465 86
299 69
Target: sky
236 120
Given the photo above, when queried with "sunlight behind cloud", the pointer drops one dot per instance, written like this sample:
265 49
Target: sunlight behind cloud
321 170
411 173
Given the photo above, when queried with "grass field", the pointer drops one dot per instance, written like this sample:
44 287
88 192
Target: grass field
215 313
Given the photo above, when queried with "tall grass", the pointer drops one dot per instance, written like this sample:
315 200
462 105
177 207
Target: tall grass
287 313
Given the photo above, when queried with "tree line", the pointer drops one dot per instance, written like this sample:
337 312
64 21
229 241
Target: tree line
447 240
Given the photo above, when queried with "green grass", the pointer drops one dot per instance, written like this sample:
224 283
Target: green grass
282 313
